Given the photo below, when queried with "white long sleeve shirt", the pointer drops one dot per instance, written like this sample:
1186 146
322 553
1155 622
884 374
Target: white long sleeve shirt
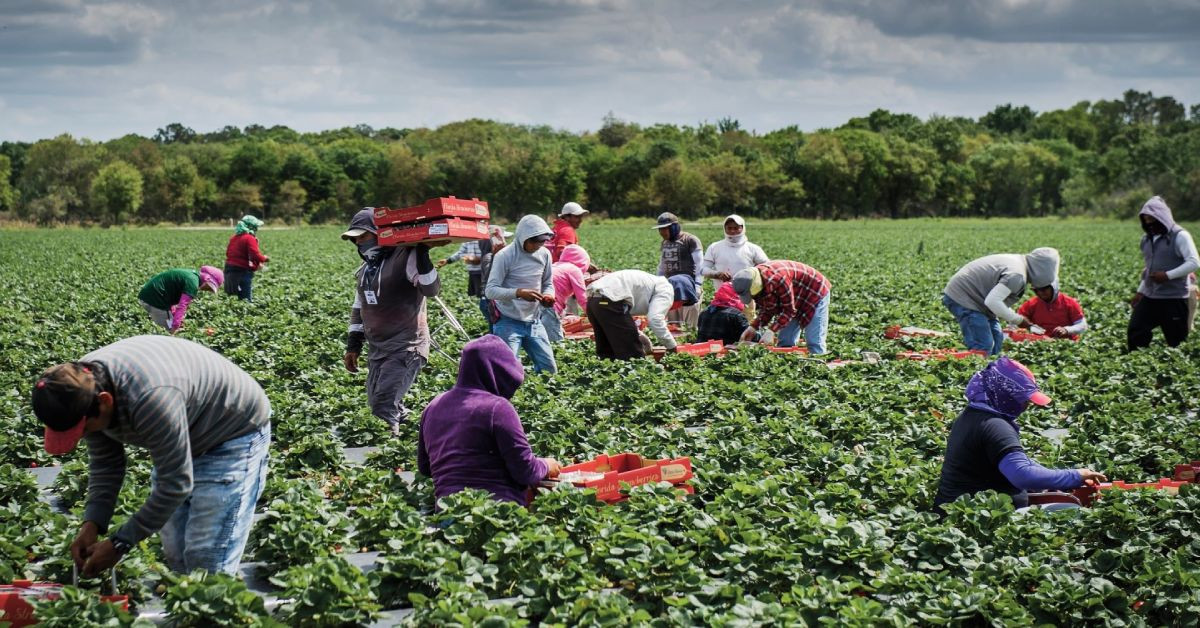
646 294
724 257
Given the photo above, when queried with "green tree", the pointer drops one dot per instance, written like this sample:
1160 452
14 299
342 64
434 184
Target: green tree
406 178
676 187
615 132
117 192
241 198
8 195
63 167
290 202
1009 120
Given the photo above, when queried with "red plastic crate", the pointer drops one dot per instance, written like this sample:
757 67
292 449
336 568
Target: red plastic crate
434 233
939 354
471 209
575 324
700 349
1089 494
15 600
1020 335
633 470
1187 472
896 331
788 349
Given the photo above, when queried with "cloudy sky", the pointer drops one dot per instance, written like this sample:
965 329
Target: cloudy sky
101 69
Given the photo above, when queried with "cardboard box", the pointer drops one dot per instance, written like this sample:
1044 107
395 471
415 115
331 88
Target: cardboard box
434 233
16 607
630 469
939 354
448 207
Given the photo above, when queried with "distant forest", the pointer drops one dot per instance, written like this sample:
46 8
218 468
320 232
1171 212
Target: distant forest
1095 158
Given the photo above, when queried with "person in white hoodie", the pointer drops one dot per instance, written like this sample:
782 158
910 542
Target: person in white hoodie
613 301
1162 296
521 284
984 291
724 258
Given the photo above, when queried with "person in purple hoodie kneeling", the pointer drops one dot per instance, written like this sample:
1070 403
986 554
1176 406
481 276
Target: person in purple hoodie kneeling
984 449
471 437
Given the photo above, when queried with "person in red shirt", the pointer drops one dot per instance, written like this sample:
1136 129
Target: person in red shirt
564 228
242 258
1060 315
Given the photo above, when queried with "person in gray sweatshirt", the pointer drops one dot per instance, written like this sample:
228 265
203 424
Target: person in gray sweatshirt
1162 297
984 291
521 284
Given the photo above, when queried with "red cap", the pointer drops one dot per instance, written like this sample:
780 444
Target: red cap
1038 398
59 443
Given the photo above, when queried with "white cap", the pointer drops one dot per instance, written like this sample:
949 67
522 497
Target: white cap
736 218
572 209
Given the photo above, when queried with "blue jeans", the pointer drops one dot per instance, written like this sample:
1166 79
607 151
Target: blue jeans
814 332
239 282
209 530
980 332
553 324
532 336
485 308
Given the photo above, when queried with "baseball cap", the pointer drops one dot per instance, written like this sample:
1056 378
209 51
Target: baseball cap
1038 398
735 218
747 283
63 397
666 219
363 222
572 209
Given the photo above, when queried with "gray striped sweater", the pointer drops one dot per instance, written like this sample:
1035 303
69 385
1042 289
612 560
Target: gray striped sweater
177 399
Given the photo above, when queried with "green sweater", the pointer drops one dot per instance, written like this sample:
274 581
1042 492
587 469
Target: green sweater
164 289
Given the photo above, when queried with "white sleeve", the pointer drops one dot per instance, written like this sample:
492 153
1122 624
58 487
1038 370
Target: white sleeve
1079 327
995 302
656 315
1186 248
760 256
708 267
697 263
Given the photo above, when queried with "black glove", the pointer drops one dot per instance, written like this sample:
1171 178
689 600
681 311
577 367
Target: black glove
354 341
424 263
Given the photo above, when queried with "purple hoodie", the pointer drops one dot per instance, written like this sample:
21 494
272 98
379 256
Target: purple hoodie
471 436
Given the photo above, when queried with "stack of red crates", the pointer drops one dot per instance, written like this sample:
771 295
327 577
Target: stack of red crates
435 222
633 470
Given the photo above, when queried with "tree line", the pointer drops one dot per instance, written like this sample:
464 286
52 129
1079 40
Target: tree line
1094 158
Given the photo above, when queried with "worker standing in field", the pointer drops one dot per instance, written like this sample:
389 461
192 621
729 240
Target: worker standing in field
790 298
243 258
681 254
469 253
725 257
207 426
1169 256
984 291
389 316
613 301
570 217
471 436
167 295
984 449
521 283
1060 315
488 247
570 278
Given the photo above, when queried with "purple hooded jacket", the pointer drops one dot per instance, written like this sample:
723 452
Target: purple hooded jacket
471 436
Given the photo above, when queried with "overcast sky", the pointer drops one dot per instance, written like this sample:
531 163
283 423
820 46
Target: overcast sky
102 69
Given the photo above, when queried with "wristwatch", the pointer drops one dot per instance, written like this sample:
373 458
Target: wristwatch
121 546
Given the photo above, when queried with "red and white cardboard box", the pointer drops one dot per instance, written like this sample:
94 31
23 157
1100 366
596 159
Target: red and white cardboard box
448 207
434 233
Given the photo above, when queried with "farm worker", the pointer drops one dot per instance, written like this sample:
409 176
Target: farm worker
984 449
389 314
569 275
613 301
725 257
790 297
723 319
681 254
569 218
242 258
207 426
521 283
983 291
488 247
167 295
1161 300
469 253
471 437
1060 315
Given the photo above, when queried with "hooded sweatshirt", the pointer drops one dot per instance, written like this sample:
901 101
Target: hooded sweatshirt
513 268
646 294
471 437
991 285
729 255
1174 253
568 277
984 448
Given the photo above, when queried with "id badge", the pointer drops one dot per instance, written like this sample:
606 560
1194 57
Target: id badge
369 295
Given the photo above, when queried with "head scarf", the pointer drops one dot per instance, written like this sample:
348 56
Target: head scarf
248 224
739 239
726 297
212 276
1005 387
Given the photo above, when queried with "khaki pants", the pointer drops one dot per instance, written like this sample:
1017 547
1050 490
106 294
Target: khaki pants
687 316
162 318
1193 293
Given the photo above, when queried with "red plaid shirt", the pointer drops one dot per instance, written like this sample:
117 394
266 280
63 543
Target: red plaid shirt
790 290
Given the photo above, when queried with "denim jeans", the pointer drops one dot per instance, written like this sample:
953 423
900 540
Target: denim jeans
814 332
980 332
553 324
485 308
209 530
532 336
238 282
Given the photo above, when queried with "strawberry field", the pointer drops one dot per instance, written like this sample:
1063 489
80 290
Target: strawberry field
813 485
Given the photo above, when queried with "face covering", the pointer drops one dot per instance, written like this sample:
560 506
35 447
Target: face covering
736 240
673 232
369 250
